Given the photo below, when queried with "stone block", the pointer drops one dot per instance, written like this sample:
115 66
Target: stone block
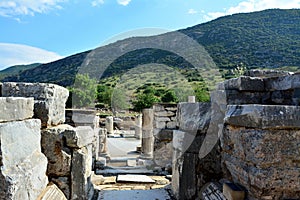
59 156
158 108
134 179
79 137
162 119
243 83
84 119
159 125
171 125
267 73
23 166
164 135
162 155
173 109
52 192
81 185
233 192
262 147
50 100
193 116
263 116
15 108
283 82
164 114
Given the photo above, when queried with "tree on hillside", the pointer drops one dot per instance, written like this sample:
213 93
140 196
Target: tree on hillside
83 92
104 94
169 97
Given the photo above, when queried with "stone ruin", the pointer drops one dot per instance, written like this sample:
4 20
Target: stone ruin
257 120
35 152
248 135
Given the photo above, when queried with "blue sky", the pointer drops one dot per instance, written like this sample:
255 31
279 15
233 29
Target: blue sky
43 31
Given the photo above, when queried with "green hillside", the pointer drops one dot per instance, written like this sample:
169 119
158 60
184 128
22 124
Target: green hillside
265 39
15 70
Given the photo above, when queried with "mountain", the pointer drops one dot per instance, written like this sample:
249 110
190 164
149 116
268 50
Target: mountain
16 69
265 39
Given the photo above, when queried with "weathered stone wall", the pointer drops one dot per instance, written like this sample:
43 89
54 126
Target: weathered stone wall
69 150
164 122
190 172
261 150
22 164
259 145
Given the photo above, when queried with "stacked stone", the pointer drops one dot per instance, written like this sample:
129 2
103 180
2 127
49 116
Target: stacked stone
258 128
190 172
22 164
282 90
68 149
49 100
261 150
82 117
164 122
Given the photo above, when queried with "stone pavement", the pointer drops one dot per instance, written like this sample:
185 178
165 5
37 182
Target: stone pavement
110 188
157 194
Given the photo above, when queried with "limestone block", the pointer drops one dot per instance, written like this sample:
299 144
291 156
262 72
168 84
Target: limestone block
164 135
262 147
162 155
173 109
171 125
52 192
193 116
283 82
15 108
158 108
263 116
83 117
59 156
164 114
79 137
162 119
267 73
243 83
23 166
81 173
160 125
50 100
283 97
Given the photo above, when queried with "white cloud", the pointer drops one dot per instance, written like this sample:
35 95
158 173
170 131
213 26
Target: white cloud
192 11
124 2
15 54
9 8
254 5
97 3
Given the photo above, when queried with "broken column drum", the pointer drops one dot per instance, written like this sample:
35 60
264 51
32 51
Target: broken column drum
138 126
147 135
109 125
